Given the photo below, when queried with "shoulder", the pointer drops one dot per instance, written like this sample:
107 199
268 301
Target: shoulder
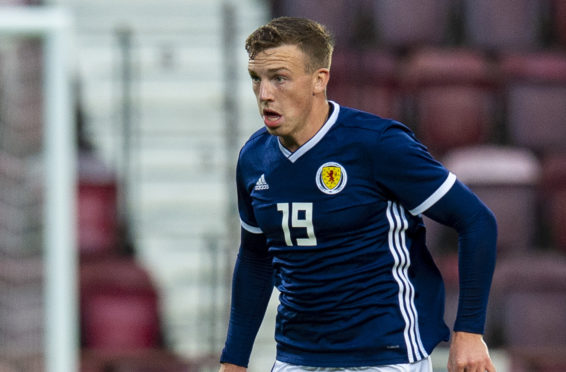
255 143
370 127
258 137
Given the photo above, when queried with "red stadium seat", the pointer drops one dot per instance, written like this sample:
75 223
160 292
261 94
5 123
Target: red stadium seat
97 220
528 303
453 97
7 367
119 306
337 15
97 208
506 180
553 188
409 23
540 359
153 360
503 24
535 99
524 307
366 80
559 12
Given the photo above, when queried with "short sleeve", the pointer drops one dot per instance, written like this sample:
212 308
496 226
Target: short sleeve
405 168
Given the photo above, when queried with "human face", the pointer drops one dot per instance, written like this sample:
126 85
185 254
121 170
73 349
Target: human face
287 94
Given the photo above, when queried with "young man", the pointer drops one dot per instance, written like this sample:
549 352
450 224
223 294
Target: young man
330 200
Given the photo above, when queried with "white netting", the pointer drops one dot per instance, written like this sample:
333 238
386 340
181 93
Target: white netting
21 205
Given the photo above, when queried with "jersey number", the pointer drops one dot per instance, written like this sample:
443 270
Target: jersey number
297 211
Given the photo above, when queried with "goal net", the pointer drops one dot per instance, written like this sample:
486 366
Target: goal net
37 281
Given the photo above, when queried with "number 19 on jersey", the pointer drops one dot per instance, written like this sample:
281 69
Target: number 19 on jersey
297 216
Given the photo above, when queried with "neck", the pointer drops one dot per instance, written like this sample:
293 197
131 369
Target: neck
318 116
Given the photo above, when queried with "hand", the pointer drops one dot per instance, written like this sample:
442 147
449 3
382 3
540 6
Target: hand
468 353
227 367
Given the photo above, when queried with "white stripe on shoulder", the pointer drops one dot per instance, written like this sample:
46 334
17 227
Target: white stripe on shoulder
436 196
250 228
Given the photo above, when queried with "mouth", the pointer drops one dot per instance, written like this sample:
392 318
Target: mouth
271 118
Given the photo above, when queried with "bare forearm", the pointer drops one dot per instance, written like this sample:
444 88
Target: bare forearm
227 367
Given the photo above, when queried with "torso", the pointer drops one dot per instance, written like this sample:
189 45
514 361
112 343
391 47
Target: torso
344 247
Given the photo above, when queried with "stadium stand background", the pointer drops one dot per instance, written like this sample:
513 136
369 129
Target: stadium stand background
160 118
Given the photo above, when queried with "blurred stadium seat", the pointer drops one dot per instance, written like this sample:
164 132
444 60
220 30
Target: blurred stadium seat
503 24
408 23
119 306
553 191
153 360
337 15
559 11
506 179
7 367
527 310
366 80
540 359
97 208
535 99
453 93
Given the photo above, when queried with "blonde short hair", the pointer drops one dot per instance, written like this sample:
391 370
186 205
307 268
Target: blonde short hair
312 38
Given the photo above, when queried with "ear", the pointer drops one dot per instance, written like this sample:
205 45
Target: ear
320 80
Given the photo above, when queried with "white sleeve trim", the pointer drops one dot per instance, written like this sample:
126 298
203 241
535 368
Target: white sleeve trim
436 196
250 228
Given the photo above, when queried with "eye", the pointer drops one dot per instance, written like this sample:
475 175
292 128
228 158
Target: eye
255 78
279 78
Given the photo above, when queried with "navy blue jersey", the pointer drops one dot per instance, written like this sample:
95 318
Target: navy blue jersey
341 220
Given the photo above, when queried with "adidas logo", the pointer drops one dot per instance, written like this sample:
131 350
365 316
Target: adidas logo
261 184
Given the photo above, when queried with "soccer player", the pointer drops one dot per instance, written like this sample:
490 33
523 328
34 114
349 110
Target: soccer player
330 201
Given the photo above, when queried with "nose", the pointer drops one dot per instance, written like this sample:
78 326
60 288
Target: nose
265 93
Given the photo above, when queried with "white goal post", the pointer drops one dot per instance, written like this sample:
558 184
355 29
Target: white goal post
52 25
